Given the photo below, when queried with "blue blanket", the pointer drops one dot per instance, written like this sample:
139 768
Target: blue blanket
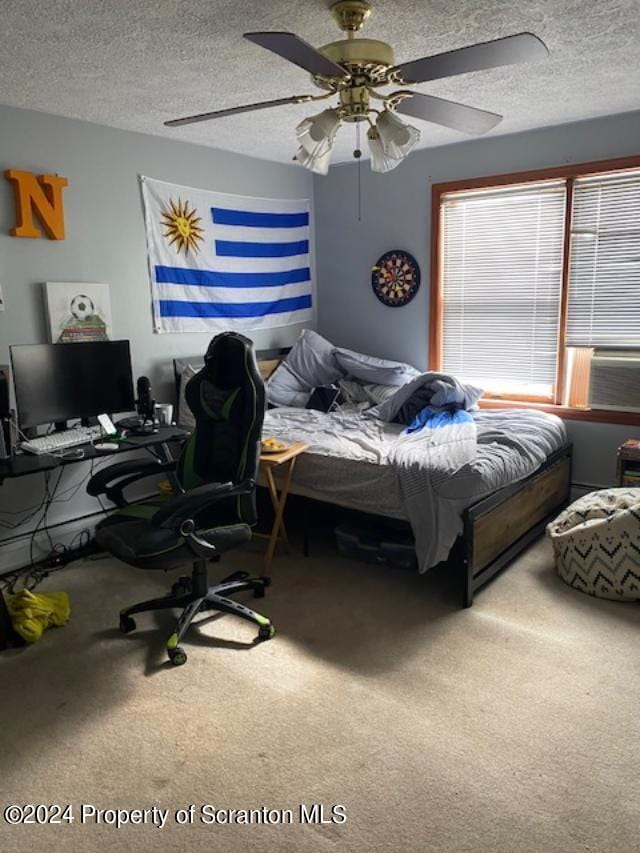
433 418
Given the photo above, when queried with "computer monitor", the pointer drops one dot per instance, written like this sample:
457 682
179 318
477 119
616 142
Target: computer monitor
57 382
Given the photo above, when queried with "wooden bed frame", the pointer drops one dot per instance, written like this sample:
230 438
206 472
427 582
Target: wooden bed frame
496 528
500 526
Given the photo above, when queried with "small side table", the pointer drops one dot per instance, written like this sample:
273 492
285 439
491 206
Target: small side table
629 463
268 463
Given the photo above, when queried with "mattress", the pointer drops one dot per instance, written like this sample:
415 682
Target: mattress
348 461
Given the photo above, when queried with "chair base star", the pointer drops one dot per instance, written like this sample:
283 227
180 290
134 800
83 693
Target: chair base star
193 595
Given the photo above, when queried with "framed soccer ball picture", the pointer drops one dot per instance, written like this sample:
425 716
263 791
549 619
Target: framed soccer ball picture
78 311
395 278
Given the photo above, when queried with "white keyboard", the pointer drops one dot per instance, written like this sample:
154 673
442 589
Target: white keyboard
59 441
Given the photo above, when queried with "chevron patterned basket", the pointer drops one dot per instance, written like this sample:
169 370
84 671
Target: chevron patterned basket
596 544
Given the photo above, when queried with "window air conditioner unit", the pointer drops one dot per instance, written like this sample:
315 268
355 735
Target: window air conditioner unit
615 380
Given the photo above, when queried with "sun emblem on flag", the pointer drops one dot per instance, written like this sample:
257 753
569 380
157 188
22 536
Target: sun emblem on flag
182 226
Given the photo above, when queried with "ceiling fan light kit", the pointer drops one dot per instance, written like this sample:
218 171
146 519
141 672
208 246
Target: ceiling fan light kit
380 160
398 138
355 70
316 136
317 163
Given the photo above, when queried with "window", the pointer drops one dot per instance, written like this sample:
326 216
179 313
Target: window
604 270
531 273
501 287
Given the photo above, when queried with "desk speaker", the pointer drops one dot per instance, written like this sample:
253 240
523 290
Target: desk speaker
5 413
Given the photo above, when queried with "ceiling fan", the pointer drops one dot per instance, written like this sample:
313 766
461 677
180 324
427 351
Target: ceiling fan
355 69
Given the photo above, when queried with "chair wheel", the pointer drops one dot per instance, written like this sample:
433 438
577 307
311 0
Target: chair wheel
177 656
127 624
180 588
258 590
265 580
266 633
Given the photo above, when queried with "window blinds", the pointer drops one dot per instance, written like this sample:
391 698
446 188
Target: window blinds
604 273
501 286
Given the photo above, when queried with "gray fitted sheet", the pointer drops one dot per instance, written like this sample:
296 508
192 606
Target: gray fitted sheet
348 460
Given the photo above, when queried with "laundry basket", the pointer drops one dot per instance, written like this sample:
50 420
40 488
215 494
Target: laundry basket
596 544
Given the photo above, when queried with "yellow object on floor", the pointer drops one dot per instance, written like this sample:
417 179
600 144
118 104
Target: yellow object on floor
33 612
165 488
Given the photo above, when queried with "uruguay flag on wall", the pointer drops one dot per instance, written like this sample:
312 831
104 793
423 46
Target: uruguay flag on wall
220 261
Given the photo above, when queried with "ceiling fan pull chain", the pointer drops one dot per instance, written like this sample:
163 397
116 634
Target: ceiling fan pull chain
358 153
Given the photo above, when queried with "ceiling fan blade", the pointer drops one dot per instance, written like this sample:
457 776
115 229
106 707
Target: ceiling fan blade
524 47
448 113
247 108
298 51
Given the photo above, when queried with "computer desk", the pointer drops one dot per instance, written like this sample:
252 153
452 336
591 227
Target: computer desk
23 464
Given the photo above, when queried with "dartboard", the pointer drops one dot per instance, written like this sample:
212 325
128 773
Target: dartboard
395 279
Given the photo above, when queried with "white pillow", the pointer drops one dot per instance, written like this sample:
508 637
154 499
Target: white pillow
353 391
186 419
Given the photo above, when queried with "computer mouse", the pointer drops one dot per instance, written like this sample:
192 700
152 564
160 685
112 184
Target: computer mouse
107 445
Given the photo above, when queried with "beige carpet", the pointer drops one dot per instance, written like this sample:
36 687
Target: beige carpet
512 726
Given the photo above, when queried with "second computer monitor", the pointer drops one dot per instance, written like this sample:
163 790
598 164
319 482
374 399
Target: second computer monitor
59 382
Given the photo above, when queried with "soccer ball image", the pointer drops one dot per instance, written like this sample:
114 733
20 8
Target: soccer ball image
82 308
83 322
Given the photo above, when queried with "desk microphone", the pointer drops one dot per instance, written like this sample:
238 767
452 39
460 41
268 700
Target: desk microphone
145 404
145 422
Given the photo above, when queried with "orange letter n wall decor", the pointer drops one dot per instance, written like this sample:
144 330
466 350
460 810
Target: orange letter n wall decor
42 196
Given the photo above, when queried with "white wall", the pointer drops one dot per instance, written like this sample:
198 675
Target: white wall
396 213
106 242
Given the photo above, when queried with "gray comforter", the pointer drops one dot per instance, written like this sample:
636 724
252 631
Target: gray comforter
428 478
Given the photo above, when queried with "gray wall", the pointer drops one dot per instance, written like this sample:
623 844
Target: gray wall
106 242
104 224
396 213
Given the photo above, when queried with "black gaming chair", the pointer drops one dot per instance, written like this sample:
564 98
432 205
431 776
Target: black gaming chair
214 508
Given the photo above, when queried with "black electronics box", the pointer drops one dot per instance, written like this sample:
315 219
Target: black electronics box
324 398
388 548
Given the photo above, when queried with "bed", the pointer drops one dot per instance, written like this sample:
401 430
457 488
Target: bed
484 512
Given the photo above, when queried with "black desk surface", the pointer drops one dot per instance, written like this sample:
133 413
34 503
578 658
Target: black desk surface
23 464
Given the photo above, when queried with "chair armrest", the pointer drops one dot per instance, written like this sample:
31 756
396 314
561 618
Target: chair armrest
113 480
181 508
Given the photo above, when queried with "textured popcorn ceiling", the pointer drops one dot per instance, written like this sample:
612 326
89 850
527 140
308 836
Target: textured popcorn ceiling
135 63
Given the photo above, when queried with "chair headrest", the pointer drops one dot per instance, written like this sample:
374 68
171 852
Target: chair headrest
226 359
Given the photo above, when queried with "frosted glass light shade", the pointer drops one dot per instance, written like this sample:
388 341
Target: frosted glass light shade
318 163
397 137
380 161
316 134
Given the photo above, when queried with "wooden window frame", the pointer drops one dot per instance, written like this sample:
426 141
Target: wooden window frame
569 173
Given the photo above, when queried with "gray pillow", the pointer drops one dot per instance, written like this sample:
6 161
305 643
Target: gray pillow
285 389
312 360
196 361
369 369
